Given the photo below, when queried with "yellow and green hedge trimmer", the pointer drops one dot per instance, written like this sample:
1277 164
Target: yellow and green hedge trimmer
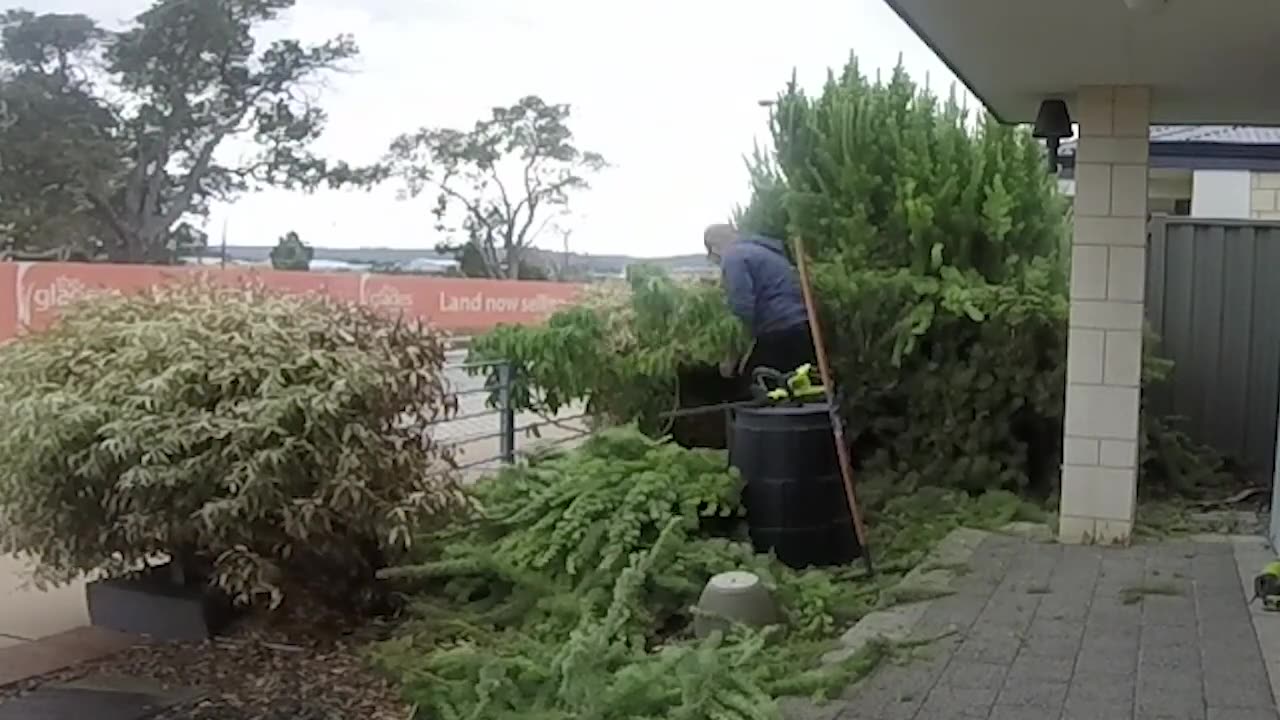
795 386
1266 587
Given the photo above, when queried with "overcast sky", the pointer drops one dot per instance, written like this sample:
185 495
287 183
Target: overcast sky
666 90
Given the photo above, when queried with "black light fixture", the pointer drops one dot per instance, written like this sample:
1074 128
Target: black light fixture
1053 123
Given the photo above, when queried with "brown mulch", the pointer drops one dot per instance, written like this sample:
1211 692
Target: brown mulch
291 670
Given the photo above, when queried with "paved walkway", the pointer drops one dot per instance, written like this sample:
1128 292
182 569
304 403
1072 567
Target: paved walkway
1042 631
27 613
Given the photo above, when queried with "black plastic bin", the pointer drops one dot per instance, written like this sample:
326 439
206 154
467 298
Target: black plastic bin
793 492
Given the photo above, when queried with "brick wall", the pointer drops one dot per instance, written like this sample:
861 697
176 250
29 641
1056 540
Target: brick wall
1264 200
1104 358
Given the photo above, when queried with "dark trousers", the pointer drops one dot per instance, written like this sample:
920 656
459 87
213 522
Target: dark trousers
784 350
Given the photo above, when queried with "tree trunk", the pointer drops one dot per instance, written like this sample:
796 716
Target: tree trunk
513 264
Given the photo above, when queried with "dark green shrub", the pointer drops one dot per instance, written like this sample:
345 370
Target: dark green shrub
938 247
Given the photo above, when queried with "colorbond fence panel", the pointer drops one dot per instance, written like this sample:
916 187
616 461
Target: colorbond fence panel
1213 296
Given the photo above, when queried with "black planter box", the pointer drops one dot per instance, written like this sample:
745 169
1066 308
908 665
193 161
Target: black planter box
155 606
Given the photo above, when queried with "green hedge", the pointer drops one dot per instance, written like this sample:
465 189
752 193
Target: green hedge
938 247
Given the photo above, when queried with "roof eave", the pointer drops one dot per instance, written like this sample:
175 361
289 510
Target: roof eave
929 43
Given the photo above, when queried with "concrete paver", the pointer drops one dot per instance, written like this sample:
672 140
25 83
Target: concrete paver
27 613
38 657
1050 632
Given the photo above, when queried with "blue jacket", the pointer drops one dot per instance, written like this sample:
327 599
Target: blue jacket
762 287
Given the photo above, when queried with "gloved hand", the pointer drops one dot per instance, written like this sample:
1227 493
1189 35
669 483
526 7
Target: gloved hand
729 368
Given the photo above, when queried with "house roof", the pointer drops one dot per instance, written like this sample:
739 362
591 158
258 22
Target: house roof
1206 147
1205 62
1232 134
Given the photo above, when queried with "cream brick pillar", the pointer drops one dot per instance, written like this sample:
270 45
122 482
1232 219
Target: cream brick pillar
1104 356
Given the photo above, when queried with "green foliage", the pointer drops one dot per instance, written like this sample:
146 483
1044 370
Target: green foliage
497 184
937 247
887 177
260 440
948 379
620 349
1181 466
564 514
115 135
290 253
570 594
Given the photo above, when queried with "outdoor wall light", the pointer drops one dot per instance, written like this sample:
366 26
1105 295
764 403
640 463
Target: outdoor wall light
1053 123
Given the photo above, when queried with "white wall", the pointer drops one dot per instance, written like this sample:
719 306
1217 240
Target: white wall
1221 194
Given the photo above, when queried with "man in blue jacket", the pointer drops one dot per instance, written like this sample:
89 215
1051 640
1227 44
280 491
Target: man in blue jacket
763 290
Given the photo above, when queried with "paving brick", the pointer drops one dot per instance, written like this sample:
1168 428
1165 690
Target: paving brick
905 710
1222 609
801 709
941 713
1055 628
976 584
1040 667
1108 615
1018 712
1237 686
960 610
1079 560
1074 601
1122 566
1232 656
1096 712
1178 697
1241 714
897 683
1189 712
1169 611
1051 646
1212 550
57 703
1095 689
1079 651
989 650
1214 575
1047 695
1164 564
1013 609
55 652
961 674
1112 656
1123 639
1227 638
958 702
1166 651
997 629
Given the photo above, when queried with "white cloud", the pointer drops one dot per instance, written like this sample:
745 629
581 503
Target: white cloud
667 90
